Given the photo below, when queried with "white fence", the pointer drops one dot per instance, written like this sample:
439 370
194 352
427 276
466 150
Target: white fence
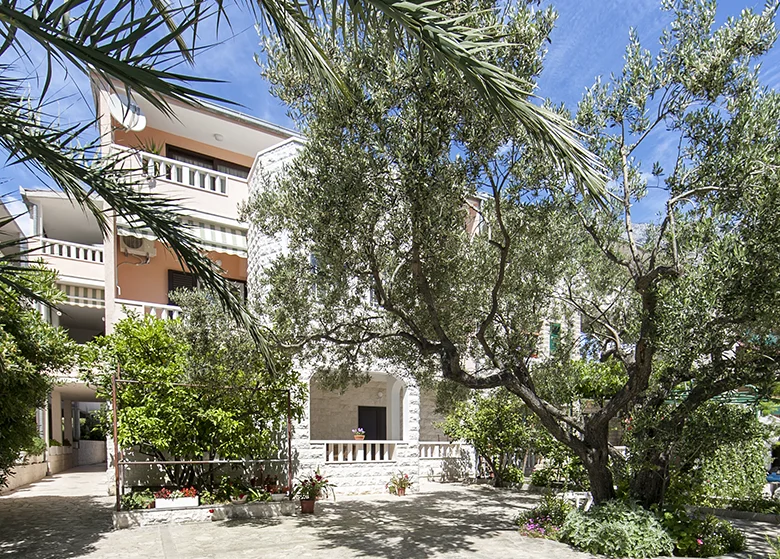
74 251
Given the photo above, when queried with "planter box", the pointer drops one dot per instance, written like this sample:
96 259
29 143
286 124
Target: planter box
203 513
179 502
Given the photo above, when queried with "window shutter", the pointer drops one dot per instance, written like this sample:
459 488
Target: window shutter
180 280
555 336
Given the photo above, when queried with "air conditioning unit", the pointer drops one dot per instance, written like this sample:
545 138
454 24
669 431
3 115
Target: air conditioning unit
137 246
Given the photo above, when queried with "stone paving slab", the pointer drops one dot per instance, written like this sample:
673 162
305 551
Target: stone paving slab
68 516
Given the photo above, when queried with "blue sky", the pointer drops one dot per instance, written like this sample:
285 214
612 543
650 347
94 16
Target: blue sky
589 40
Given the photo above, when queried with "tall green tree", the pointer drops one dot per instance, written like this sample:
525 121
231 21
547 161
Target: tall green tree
499 427
141 44
379 201
204 389
29 348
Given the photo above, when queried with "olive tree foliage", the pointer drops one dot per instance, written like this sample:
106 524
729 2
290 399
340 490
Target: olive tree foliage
205 389
385 267
688 307
29 348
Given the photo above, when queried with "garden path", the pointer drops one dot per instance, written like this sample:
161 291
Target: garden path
68 515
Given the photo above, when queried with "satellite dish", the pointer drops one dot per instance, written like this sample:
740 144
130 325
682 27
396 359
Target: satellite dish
126 113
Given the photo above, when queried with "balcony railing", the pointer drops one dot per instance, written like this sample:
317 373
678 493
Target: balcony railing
359 451
438 450
155 166
166 312
73 251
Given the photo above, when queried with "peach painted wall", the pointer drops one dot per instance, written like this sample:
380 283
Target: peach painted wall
147 136
149 283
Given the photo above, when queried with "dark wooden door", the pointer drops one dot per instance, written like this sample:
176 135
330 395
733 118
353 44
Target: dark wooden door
374 420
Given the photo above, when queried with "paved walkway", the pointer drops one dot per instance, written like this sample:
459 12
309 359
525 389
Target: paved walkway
69 516
60 516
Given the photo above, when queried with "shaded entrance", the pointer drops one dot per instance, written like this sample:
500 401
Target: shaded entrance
374 420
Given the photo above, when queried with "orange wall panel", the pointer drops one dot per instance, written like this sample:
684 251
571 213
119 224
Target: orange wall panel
148 136
149 282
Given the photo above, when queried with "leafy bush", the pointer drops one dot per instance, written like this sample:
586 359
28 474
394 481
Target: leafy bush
543 477
701 537
37 446
617 529
546 519
756 504
136 500
722 454
53 442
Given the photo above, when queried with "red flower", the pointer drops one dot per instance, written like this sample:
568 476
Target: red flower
211 511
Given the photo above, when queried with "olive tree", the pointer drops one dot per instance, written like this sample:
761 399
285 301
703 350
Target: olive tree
426 232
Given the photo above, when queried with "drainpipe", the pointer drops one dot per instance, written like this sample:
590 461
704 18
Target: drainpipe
47 433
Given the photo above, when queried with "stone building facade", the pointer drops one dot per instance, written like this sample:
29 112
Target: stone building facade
323 437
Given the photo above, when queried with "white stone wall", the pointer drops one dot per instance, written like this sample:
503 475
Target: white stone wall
91 452
429 418
328 415
261 249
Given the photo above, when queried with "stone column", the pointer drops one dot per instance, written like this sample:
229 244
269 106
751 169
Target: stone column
394 409
67 417
55 410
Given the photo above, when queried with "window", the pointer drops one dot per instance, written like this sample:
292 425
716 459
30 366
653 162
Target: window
239 288
183 280
555 336
180 280
206 161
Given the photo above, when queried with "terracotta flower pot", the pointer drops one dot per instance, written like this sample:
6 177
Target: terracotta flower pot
307 506
359 437
401 491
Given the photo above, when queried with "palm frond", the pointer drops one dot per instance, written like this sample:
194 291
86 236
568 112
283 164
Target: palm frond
84 177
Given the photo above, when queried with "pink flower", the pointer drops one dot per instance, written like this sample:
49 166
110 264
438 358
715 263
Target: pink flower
698 541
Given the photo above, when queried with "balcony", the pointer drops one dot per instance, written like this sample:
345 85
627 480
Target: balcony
71 260
196 188
165 312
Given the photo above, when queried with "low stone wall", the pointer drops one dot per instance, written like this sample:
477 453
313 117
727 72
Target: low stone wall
203 513
61 458
359 478
28 470
741 514
91 452
449 468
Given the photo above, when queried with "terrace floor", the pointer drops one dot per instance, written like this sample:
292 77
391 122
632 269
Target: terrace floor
68 515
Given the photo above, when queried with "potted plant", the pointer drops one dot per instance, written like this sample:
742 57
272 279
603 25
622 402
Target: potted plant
399 483
238 495
310 489
165 498
359 433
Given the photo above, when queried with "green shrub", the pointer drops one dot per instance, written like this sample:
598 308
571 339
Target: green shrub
137 500
756 504
513 475
37 446
544 520
53 442
617 529
701 537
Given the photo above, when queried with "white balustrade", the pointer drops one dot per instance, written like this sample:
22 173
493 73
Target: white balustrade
360 451
73 251
155 166
166 312
436 450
